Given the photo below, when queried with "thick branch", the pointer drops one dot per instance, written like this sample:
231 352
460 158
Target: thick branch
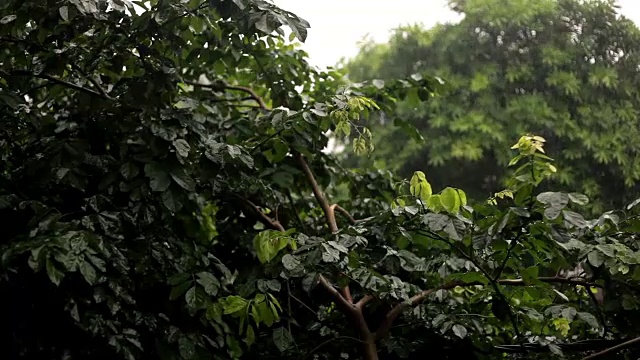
362 302
611 350
347 307
385 326
64 83
272 223
346 293
344 212
252 94
328 210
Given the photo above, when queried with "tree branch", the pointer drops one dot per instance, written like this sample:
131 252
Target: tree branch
252 94
347 307
344 212
64 83
385 326
272 223
92 81
362 302
328 211
613 349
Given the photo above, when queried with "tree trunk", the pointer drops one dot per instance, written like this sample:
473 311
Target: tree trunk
369 348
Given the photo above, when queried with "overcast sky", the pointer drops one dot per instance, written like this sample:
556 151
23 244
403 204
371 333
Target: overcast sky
338 25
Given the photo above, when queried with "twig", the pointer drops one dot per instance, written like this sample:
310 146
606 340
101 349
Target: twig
506 258
301 302
92 81
614 349
274 224
597 304
259 145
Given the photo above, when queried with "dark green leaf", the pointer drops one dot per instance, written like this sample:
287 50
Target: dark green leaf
290 262
55 275
589 319
209 283
88 272
596 258
183 179
282 339
190 297
178 290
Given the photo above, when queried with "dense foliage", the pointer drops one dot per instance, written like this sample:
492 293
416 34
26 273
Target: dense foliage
165 195
563 69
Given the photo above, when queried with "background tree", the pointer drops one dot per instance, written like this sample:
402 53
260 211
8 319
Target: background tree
564 69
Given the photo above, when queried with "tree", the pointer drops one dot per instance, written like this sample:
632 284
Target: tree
156 206
566 70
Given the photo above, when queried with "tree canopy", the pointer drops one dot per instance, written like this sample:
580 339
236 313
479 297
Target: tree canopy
564 69
166 194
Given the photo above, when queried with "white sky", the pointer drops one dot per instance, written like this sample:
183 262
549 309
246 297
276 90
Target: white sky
337 26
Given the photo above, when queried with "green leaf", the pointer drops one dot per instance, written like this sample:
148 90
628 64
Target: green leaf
170 201
282 339
330 254
208 282
530 274
178 278
450 200
578 199
183 179
290 262
176 291
419 187
460 331
434 203
64 12
555 202
187 348
555 349
574 219
268 244
160 179
190 297
55 275
7 19
589 319
569 313
250 336
129 170
606 249
88 272
595 258
233 304
182 147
